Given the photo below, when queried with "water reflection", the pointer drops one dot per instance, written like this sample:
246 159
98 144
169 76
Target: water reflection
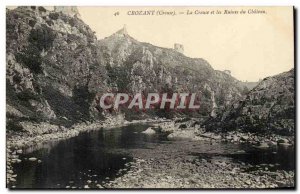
98 156
73 162
278 157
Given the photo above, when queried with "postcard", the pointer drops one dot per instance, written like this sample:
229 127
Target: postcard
150 97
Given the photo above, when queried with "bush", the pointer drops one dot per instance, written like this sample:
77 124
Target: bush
32 23
41 9
54 16
245 90
31 58
119 76
72 22
49 22
27 95
13 126
206 93
39 39
42 37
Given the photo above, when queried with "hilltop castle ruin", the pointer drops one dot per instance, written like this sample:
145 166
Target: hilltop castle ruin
179 48
68 10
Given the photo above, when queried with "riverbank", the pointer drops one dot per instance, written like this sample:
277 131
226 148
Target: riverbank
173 164
37 134
189 130
16 142
191 164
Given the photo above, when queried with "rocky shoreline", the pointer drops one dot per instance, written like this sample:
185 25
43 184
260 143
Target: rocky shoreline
148 172
190 131
38 134
198 173
169 166
16 143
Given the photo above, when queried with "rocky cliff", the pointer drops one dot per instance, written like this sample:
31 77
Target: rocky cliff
135 66
50 60
268 108
57 69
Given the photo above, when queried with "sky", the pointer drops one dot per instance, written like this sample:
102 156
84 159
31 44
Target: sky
251 46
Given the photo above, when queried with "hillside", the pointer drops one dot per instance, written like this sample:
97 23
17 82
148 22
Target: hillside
57 70
148 68
268 108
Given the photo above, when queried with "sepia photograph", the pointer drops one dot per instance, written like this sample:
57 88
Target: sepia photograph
150 97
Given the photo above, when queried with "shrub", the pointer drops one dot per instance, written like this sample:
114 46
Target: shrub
13 126
32 23
206 93
245 90
72 22
49 22
27 95
31 58
41 9
42 37
54 16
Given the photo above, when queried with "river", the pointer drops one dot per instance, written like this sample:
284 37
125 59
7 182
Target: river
100 156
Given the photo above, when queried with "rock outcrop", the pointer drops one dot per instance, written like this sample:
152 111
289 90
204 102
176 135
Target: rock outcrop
50 59
68 10
269 108
149 131
134 66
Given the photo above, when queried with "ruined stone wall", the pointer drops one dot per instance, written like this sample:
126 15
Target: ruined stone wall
179 48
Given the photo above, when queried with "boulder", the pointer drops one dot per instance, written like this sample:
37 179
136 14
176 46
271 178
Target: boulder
149 131
32 159
283 140
262 145
284 144
182 135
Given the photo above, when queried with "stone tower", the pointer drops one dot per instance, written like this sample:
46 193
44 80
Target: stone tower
179 48
68 10
122 32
